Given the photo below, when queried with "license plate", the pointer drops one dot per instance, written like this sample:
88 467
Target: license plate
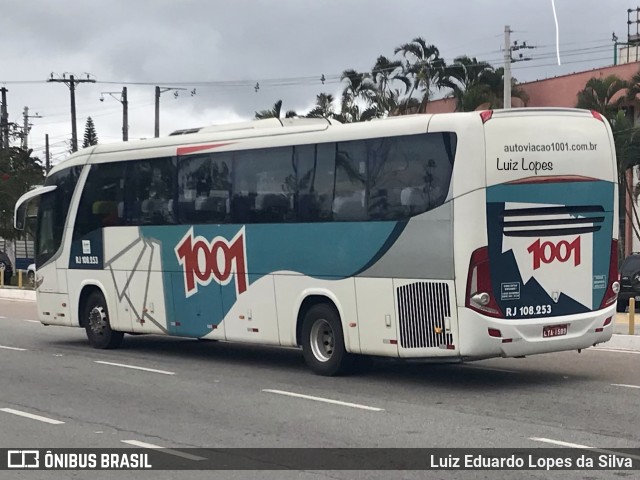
554 330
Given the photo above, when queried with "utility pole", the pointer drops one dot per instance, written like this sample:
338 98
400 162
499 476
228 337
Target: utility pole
4 121
27 127
506 99
160 91
71 83
47 161
125 115
125 110
508 60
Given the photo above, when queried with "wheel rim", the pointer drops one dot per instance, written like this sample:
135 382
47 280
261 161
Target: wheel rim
322 340
98 320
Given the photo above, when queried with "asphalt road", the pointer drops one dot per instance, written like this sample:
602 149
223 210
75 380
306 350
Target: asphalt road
215 394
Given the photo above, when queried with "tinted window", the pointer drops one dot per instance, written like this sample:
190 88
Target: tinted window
408 175
150 192
52 213
102 201
350 202
392 178
315 173
204 189
264 183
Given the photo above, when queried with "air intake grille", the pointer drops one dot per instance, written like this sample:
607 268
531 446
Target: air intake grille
550 221
422 309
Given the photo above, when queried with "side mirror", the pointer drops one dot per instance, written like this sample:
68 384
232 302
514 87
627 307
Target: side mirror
20 210
20 216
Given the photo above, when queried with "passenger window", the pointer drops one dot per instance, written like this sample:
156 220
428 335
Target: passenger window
264 186
349 203
204 189
150 191
102 202
315 170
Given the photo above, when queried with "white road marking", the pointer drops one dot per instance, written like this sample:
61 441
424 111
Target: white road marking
144 369
325 400
31 416
14 348
623 385
614 350
491 369
31 321
2 318
583 447
175 453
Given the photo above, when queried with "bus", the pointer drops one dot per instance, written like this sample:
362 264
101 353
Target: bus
446 237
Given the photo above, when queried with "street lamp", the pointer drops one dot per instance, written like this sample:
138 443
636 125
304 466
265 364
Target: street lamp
125 110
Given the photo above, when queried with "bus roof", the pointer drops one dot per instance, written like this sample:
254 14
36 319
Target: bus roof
321 130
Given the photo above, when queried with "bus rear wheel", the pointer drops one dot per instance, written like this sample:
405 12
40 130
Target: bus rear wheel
97 325
323 341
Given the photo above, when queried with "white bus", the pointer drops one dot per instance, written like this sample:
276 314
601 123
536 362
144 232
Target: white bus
444 237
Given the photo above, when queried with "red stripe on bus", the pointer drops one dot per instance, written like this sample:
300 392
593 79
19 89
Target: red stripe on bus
553 179
188 150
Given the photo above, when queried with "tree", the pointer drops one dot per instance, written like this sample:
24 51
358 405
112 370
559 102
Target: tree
424 67
609 96
275 112
324 107
604 95
475 84
358 97
384 74
90 135
19 172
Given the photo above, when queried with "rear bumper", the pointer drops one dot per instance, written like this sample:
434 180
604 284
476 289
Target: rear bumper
524 337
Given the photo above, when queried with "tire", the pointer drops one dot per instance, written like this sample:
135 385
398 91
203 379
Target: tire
323 342
97 325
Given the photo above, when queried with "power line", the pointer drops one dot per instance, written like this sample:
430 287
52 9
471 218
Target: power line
71 82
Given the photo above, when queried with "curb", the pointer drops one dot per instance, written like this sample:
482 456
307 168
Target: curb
622 342
17 294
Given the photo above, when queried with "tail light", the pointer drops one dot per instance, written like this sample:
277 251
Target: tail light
613 284
479 290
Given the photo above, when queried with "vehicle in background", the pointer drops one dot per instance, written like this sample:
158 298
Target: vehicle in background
6 268
629 281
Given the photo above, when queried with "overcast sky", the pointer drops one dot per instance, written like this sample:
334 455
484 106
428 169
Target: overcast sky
223 48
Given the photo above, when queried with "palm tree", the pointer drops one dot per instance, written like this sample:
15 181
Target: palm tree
324 107
604 95
384 73
358 97
484 91
275 112
466 78
424 66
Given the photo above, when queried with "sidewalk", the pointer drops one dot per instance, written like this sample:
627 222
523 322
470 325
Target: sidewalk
15 293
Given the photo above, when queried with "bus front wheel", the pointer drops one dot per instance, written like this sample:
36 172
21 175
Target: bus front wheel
97 325
323 341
